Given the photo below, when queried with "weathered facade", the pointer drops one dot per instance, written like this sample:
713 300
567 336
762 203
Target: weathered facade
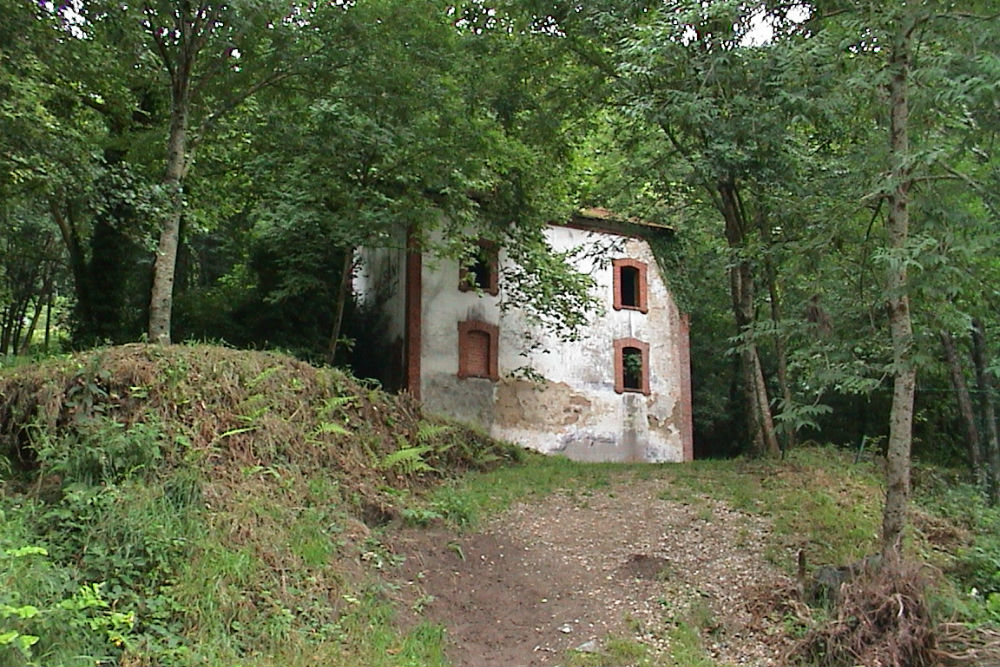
621 393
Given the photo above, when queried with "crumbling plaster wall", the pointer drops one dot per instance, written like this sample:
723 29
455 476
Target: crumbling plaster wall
575 411
443 306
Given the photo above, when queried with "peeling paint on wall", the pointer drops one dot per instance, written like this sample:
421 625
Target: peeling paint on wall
576 410
526 404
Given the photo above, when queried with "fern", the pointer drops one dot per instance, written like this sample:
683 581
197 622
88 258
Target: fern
331 427
428 431
408 460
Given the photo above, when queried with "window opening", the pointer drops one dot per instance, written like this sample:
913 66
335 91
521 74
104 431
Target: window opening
629 285
632 369
481 271
630 288
631 366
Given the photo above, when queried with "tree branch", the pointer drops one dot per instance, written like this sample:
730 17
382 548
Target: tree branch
161 47
213 118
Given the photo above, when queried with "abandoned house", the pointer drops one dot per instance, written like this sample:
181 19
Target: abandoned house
620 393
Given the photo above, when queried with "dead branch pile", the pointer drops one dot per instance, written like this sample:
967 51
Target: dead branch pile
881 618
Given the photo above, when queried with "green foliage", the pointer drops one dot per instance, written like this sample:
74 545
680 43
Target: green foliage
196 505
101 450
408 460
976 565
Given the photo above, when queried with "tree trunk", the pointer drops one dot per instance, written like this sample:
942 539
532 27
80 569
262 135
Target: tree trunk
901 330
48 319
162 296
972 440
25 343
780 351
338 307
6 325
988 406
77 263
760 424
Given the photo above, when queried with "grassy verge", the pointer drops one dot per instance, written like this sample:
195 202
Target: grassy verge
200 506
203 506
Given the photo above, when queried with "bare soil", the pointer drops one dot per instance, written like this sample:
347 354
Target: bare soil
576 569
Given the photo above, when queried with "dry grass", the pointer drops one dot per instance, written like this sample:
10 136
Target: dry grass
881 617
231 411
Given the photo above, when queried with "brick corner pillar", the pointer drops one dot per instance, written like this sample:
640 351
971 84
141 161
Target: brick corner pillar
413 316
687 417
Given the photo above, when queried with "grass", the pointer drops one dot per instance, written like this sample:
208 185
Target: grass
613 651
817 500
215 503
464 502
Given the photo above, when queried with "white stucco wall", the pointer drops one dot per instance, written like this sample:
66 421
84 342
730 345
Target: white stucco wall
576 411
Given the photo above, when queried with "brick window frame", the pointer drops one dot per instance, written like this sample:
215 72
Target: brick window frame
489 251
622 345
472 335
642 287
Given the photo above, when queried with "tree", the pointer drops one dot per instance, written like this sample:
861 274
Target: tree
683 70
880 42
416 121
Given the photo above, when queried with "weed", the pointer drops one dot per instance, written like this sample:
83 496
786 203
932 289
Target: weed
420 516
378 555
614 651
407 460
686 647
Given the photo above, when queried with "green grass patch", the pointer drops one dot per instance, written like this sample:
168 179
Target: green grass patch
464 502
818 499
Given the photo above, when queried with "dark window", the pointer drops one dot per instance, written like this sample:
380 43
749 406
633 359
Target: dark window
631 366
629 285
481 271
632 369
630 289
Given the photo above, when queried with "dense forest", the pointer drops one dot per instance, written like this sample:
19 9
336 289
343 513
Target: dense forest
193 170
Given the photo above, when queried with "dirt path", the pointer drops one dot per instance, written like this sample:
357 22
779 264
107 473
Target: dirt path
616 562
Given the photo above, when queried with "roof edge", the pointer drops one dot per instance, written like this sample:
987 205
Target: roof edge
605 220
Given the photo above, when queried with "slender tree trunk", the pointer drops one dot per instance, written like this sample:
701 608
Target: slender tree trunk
48 274
25 344
760 423
780 350
6 324
988 405
77 263
48 319
972 440
901 330
162 296
338 307
19 312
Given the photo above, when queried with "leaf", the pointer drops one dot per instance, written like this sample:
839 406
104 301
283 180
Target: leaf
408 460
20 552
331 427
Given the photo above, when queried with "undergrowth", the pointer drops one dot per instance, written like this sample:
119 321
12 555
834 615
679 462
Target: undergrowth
196 505
202 506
